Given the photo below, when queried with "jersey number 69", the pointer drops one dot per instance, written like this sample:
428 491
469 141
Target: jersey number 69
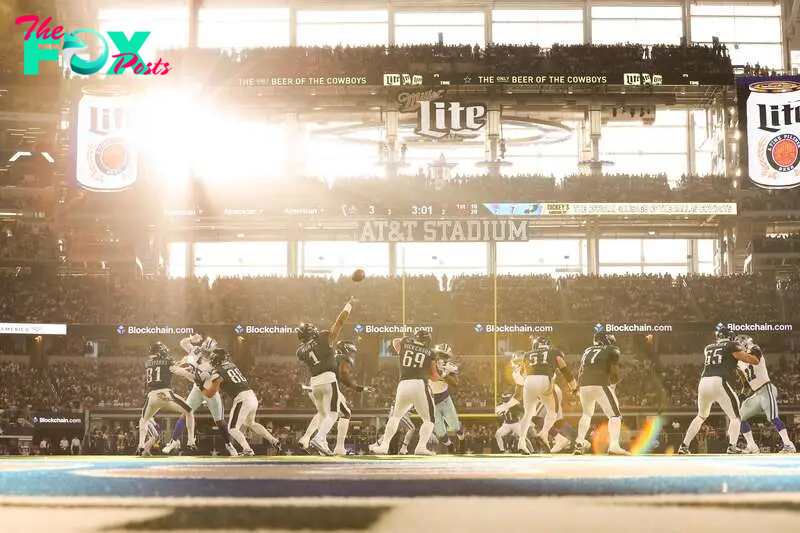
413 359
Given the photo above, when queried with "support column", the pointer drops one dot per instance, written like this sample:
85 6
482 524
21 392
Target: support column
293 258
393 259
392 27
190 259
686 20
587 22
595 129
731 155
491 258
730 251
487 25
194 22
592 253
292 26
392 128
691 144
692 261
294 148
492 144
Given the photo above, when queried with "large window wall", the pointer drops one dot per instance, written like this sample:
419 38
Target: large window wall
168 27
538 27
223 26
346 28
655 256
641 24
451 259
424 28
633 147
341 258
752 33
554 257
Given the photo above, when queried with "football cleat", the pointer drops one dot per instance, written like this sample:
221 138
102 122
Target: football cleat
321 446
231 450
174 445
378 450
751 449
788 448
423 451
140 452
618 451
403 450
248 453
733 450
684 450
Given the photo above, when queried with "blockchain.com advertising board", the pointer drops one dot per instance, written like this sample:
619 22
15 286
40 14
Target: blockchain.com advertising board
769 126
102 133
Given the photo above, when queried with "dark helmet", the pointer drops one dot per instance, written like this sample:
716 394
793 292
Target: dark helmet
423 336
346 347
506 396
159 348
601 338
540 343
306 332
723 332
218 356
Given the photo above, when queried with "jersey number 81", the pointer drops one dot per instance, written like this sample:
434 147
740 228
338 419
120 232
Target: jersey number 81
412 359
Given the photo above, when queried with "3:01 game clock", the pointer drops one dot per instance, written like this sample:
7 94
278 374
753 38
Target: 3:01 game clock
421 210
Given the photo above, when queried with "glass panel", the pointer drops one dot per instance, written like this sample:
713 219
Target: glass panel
766 55
703 163
673 165
214 272
620 250
244 34
545 166
164 34
243 14
737 10
640 12
439 19
705 250
736 30
652 139
334 17
539 34
620 270
706 269
537 15
241 254
453 35
142 15
553 271
664 117
442 256
672 270
641 32
665 250
177 260
342 34
541 252
326 254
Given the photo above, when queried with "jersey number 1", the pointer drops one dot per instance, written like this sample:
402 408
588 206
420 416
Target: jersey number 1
313 357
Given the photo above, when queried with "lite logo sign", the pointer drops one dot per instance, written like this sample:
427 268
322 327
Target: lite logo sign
39 34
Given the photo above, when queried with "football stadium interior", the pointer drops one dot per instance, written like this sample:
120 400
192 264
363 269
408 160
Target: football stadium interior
564 236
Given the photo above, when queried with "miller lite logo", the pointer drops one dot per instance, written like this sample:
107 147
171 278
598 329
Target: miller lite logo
639 78
773 134
441 119
393 80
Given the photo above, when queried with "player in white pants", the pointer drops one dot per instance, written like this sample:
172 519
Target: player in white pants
417 366
446 419
763 400
197 368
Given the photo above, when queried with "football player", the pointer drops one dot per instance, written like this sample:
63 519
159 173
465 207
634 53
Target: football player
599 375
417 366
445 416
764 398
158 380
228 378
719 371
542 364
345 359
511 411
196 367
153 435
316 350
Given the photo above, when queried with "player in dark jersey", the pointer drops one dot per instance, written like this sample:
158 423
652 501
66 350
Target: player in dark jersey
511 410
417 366
229 379
158 382
316 350
599 375
542 364
719 371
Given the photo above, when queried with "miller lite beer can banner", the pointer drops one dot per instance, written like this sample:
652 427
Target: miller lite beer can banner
769 121
105 157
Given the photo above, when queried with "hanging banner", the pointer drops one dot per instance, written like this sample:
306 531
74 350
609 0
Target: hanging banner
443 230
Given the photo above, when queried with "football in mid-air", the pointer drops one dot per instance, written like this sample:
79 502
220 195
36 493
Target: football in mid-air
358 275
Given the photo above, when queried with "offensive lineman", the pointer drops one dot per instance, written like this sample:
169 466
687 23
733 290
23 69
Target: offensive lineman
227 377
317 352
345 359
719 368
196 368
599 375
445 415
158 380
543 362
417 366
763 400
